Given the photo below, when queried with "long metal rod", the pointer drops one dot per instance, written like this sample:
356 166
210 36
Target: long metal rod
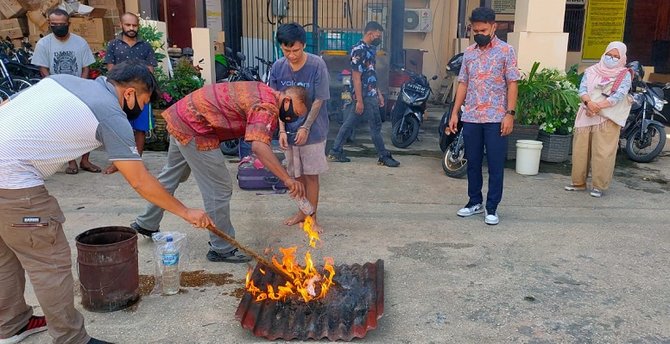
248 251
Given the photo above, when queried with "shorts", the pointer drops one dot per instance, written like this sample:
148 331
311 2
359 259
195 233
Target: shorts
306 160
145 121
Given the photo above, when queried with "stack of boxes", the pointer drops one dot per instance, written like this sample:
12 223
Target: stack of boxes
27 18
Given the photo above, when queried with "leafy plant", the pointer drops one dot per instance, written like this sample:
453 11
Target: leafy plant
185 79
150 34
548 98
99 67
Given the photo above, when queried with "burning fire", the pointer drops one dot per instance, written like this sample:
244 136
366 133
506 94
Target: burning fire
306 282
313 235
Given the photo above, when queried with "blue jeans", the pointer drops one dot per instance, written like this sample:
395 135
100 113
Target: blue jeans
477 136
372 115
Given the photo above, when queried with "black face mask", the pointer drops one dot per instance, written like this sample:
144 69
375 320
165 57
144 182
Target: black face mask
60 30
376 42
133 113
482 40
130 33
287 115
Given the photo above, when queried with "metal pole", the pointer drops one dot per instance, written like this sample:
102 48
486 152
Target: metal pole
315 26
397 33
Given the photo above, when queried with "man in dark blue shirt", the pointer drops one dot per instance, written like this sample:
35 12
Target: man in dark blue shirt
127 46
367 98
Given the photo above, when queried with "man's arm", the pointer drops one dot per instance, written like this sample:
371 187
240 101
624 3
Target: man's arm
461 91
150 189
358 90
264 153
303 131
44 71
84 72
507 124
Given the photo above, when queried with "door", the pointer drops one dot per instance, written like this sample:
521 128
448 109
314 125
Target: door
180 18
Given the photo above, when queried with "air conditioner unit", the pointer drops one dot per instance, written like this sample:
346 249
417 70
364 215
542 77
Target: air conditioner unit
418 20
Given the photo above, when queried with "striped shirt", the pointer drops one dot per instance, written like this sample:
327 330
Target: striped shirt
55 121
225 111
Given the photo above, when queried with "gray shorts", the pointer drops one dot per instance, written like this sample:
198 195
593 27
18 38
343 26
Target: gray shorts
306 160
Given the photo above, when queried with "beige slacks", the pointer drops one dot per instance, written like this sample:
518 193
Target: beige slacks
32 241
595 147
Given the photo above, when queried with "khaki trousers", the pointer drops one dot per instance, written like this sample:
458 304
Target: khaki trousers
595 147
32 241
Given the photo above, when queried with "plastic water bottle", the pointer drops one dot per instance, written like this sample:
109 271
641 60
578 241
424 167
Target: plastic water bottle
305 206
170 261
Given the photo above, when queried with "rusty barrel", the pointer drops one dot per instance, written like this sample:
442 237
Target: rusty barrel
108 269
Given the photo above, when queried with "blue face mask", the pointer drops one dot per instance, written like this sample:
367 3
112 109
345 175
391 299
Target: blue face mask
610 62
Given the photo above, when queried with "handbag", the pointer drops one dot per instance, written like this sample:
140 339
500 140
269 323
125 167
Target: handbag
618 113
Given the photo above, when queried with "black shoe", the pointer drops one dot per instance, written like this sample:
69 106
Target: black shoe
388 161
143 231
338 157
233 256
97 341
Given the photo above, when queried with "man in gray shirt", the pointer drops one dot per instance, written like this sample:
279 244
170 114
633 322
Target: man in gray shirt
72 116
62 52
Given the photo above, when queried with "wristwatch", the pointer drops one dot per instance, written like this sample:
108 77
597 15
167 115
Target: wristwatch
511 112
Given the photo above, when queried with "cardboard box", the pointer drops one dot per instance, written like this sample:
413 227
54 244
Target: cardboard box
117 5
31 5
37 23
660 78
95 47
11 8
93 30
13 28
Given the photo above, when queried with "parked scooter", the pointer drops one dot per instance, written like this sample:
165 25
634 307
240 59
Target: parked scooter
408 110
644 136
454 162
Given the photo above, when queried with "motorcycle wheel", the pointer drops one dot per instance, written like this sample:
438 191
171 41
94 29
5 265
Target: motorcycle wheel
19 84
230 147
647 147
5 93
403 138
454 165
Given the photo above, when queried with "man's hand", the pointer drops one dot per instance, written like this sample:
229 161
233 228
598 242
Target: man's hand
453 122
301 136
198 218
283 141
359 107
381 100
295 188
507 125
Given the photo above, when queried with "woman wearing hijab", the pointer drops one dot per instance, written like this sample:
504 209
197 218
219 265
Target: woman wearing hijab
596 135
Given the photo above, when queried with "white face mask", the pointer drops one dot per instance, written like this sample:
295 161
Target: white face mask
610 62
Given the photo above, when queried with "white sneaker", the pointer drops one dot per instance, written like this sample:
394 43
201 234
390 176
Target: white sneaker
491 219
470 210
596 193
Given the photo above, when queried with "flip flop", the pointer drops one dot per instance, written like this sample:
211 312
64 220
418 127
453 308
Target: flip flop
92 168
71 170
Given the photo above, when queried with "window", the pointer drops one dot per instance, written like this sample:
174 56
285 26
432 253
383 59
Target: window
574 25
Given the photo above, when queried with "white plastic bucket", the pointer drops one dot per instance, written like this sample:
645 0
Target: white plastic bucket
528 157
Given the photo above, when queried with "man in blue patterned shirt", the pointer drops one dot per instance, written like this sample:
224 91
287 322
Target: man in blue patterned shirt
367 98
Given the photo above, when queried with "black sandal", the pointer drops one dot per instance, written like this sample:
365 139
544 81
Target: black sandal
233 256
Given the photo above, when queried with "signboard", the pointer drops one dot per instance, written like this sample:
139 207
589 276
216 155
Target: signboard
503 6
605 21
213 9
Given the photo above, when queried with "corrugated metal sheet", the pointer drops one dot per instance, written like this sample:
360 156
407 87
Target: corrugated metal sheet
351 308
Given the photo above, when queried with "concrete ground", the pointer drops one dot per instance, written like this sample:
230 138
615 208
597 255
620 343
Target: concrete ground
560 267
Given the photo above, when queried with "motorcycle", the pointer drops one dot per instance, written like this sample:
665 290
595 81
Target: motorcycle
454 162
408 110
644 136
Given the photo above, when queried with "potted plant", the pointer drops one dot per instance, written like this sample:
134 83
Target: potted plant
548 102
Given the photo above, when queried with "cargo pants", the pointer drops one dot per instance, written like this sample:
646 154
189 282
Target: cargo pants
32 241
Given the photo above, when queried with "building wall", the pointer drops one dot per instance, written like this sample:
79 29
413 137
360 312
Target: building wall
438 44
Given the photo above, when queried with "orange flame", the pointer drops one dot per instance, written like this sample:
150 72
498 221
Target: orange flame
308 226
307 282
